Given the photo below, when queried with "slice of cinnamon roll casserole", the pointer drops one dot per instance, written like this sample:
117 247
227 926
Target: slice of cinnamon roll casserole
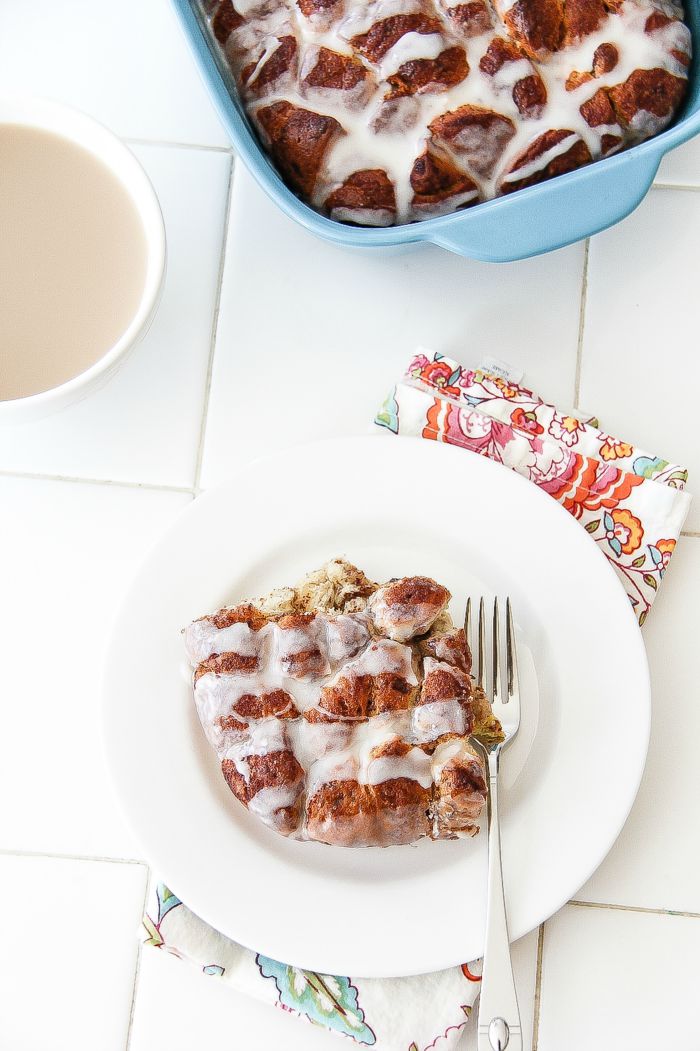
341 710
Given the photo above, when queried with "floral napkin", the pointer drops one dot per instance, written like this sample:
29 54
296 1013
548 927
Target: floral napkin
632 504
426 1013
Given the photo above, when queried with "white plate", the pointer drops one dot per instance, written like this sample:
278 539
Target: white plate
395 507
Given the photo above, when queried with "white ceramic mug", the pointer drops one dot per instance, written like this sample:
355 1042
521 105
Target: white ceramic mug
77 127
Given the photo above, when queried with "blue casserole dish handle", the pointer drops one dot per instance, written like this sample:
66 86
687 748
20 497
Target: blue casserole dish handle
531 222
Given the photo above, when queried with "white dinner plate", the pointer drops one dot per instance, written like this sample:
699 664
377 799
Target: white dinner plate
394 507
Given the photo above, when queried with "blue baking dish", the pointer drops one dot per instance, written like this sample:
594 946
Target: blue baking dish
527 223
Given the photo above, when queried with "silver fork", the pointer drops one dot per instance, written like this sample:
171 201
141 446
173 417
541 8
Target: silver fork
499 1016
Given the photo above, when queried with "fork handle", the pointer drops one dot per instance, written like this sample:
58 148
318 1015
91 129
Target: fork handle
499 1017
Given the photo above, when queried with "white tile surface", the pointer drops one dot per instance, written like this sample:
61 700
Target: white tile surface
681 167
640 368
656 860
127 64
68 554
311 336
67 953
174 1002
144 425
619 980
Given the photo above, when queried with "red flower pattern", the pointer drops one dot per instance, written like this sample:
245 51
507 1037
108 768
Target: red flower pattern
510 424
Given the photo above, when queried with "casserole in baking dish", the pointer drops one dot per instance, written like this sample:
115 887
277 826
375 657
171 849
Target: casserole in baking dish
535 219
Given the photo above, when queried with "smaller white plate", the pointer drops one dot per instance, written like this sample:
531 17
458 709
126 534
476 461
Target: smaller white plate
395 507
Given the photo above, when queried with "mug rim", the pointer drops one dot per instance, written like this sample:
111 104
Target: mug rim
73 125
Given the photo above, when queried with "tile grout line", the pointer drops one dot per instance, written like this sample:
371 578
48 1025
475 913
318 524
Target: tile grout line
538 988
675 186
690 532
41 477
635 908
7 852
137 968
581 323
214 333
178 145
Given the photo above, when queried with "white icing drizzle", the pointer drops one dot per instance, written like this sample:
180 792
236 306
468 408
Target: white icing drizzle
268 801
402 622
449 750
336 750
381 657
549 155
432 720
395 148
356 761
203 639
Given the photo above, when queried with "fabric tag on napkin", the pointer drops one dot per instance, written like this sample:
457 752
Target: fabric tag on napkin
632 504
424 1013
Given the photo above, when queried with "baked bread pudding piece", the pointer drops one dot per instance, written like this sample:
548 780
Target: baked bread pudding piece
379 112
342 710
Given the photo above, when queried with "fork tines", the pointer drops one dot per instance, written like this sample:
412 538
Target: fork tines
494 686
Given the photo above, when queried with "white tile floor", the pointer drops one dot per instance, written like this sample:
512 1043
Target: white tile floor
67 952
308 336
617 979
369 311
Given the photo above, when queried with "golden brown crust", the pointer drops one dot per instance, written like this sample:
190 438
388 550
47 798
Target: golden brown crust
478 135
230 724
276 702
536 25
436 179
574 157
316 7
346 813
654 91
429 74
225 21
460 795
405 608
227 664
449 646
274 770
605 58
472 19
609 142
370 189
486 726
362 696
283 60
298 141
581 18
499 52
235 780
598 110
443 683
384 34
530 96
278 770
243 614
333 70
